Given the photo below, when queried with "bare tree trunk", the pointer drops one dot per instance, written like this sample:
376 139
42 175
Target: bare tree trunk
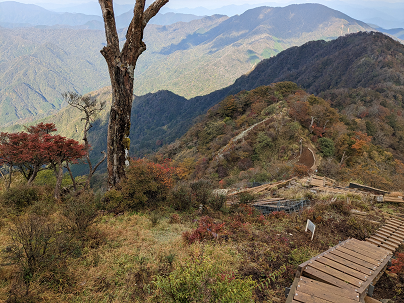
7 181
71 176
59 177
33 176
121 66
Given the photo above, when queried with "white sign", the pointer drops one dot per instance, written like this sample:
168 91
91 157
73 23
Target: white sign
310 226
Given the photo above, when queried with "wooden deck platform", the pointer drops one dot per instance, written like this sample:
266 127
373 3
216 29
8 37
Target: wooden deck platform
343 273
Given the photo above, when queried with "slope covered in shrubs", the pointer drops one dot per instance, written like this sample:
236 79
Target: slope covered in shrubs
258 136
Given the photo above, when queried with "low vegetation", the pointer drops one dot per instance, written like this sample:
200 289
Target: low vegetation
122 247
168 234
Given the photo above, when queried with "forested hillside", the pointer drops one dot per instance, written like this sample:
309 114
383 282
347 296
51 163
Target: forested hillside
188 58
259 135
361 76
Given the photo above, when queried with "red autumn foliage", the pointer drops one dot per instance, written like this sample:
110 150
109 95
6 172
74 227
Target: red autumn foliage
207 229
361 141
30 151
397 265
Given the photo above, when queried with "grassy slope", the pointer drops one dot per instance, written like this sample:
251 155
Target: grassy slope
123 255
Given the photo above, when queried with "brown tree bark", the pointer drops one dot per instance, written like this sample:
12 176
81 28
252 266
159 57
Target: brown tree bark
121 66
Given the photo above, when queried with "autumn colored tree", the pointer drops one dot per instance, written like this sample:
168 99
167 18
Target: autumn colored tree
63 150
121 66
361 141
27 151
30 152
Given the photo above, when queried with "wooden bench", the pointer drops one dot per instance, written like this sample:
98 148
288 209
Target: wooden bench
344 273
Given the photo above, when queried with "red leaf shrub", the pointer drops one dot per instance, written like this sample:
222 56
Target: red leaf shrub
207 229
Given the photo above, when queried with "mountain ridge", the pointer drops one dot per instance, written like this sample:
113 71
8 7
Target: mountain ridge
72 56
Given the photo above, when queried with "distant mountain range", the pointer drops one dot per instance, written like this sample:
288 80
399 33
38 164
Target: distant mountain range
187 58
361 74
14 14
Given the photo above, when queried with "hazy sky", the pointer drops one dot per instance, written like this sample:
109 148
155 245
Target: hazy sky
210 3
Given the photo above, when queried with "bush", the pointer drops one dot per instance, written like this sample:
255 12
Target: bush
201 191
327 147
300 170
80 212
207 229
302 254
216 202
21 197
246 198
39 244
204 281
147 184
180 197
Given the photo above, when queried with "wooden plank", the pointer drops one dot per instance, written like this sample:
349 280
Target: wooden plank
391 240
365 252
381 253
381 244
318 275
370 246
376 242
336 273
332 290
353 259
305 298
394 223
388 229
393 219
371 300
318 292
384 241
342 268
394 232
392 226
392 236
358 255
388 235
348 263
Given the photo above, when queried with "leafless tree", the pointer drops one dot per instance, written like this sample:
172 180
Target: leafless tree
121 66
90 107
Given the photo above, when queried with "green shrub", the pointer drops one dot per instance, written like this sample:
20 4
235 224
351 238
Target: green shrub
201 191
204 281
302 254
180 197
113 201
80 212
39 249
21 197
147 184
327 147
216 202
246 198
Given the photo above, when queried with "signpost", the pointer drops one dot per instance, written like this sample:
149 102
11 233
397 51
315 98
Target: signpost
310 226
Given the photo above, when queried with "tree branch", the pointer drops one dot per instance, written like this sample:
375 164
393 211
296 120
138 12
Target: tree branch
111 34
153 10
99 163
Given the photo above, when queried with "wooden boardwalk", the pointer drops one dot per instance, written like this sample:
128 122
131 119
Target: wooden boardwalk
390 236
343 273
